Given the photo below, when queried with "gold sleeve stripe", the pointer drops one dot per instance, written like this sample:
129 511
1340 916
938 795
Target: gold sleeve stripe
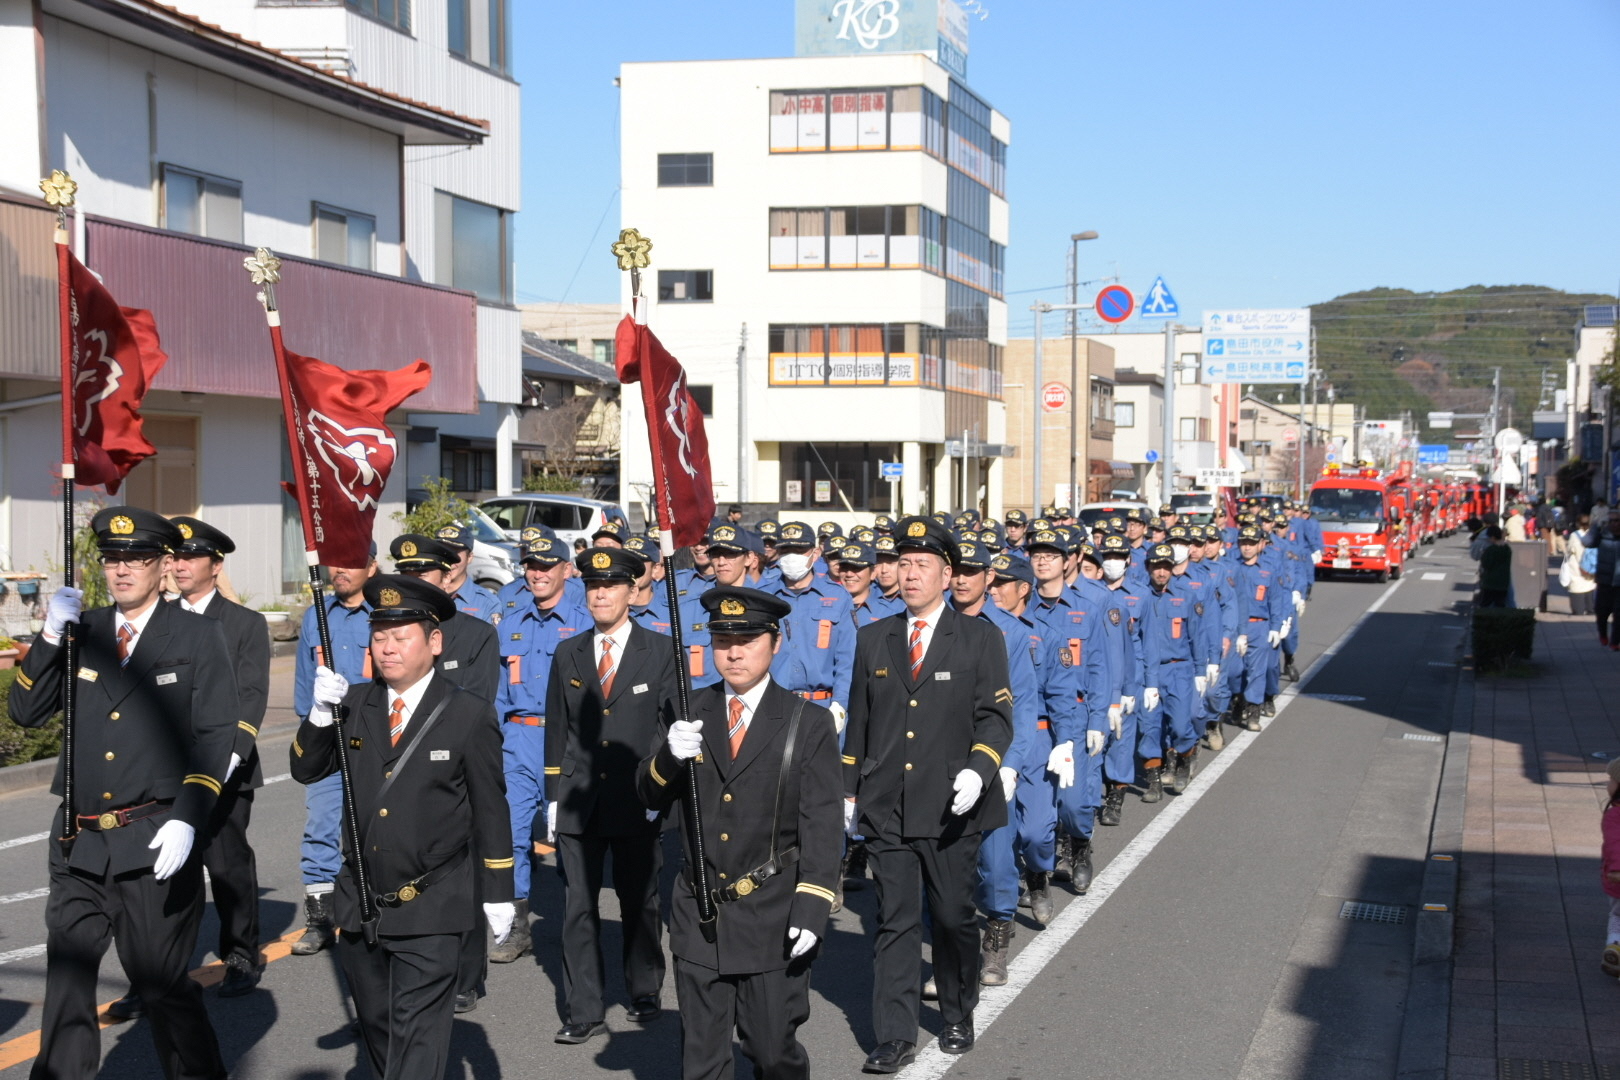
848 760
499 864
299 750
1004 694
652 770
247 727
553 770
989 753
815 890
24 681
205 780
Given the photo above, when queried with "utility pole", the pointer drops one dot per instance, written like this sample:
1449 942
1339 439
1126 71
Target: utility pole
1167 460
1039 437
1299 444
1075 394
742 416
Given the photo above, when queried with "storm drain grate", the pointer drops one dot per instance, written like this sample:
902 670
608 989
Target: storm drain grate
1424 738
1380 913
1532 1069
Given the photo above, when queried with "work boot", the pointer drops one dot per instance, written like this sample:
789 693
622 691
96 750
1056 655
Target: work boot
1040 898
1113 804
1213 738
855 865
1151 779
993 953
318 933
1289 671
1183 770
1268 707
1061 870
838 889
518 943
1080 859
1251 717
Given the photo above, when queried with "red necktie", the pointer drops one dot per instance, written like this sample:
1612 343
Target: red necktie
396 721
738 729
605 667
917 648
126 634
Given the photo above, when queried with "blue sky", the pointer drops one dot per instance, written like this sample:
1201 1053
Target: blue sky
1257 154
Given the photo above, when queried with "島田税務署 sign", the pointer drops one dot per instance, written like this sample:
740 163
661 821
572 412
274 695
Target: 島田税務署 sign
1257 346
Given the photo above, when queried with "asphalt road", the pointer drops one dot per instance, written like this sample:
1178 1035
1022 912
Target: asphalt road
1212 944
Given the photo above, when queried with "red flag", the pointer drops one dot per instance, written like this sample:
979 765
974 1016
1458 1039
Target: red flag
342 451
680 448
109 362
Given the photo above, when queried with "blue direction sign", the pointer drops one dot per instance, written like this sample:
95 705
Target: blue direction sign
1434 454
892 471
1159 303
1151 456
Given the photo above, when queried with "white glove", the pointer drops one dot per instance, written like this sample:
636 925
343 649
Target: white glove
840 719
1211 673
1095 741
64 607
652 815
1199 682
1009 782
1273 637
1316 556
1116 719
968 788
1299 601
803 942
1127 704
1150 698
173 843
849 817
685 739
328 691
1060 763
1242 644
236 763
500 917
1287 628
551 822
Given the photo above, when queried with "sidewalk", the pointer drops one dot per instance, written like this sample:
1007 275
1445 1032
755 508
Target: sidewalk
1527 997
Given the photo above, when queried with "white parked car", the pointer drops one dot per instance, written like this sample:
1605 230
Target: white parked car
571 517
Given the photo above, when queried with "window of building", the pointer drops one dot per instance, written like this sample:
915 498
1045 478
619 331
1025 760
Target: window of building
396 13
1188 366
345 237
473 242
1187 375
685 170
822 476
602 350
1102 401
1245 414
865 118
1261 448
1124 414
202 205
166 483
468 468
856 238
685 286
704 396
1187 428
478 31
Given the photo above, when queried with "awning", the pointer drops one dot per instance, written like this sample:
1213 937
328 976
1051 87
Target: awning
1238 461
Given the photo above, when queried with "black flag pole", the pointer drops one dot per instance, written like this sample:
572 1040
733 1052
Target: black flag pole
59 191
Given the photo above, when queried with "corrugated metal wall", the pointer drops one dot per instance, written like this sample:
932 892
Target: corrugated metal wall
30 343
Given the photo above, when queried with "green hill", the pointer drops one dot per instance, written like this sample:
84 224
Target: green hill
1393 350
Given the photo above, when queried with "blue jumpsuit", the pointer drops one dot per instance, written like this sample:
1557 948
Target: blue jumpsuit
818 642
1177 646
321 852
475 600
1078 805
877 607
1119 758
1066 627
1262 608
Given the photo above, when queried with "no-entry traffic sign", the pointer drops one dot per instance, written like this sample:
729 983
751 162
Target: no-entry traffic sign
1055 397
1115 304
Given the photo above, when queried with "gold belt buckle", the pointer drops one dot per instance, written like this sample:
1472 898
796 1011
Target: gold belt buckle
407 894
108 821
744 887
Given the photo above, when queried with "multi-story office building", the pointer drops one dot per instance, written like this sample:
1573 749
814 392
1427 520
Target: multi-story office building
829 235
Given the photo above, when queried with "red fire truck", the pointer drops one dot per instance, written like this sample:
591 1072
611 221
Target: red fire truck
1366 517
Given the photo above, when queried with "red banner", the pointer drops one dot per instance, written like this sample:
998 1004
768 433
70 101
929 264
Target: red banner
342 450
680 448
109 361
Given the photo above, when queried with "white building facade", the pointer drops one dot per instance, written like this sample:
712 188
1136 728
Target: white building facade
829 240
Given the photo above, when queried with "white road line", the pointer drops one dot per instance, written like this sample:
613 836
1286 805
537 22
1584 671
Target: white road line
932 1062
21 840
31 894
22 954
1434 577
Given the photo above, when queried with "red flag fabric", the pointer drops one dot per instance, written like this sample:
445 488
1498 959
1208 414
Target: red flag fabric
680 447
342 450
112 358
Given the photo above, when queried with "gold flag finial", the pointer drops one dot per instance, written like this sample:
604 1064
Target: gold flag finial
265 270
59 189
633 250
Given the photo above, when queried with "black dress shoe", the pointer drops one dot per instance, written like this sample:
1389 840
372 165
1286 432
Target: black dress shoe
128 1007
578 1033
891 1057
957 1038
240 977
466 1001
645 1009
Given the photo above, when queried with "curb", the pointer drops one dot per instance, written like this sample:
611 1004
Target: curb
1425 1032
28 775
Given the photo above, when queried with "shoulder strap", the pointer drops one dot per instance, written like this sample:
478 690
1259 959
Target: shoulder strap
782 777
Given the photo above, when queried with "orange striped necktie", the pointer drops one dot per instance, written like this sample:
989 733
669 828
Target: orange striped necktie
917 648
737 729
396 721
605 668
126 634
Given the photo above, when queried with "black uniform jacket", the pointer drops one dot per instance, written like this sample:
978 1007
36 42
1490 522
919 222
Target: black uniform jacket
906 740
471 658
161 728
737 799
593 746
247 638
450 796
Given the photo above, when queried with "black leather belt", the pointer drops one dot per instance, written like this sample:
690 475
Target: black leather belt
117 819
757 877
414 887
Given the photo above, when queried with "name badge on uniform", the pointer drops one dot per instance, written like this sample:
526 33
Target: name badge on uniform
639 688
167 677
88 675
438 755
942 676
451 665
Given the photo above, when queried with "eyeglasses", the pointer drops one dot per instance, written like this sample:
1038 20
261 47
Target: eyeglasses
138 561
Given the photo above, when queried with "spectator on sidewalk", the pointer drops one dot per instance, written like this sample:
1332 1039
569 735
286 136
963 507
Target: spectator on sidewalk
1580 585
1611 870
1515 526
1607 541
1495 570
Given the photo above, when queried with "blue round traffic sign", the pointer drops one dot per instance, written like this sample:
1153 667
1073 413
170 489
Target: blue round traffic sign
1115 304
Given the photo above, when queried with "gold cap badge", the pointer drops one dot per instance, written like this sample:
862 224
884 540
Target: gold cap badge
729 606
407 549
389 597
185 530
601 560
121 526
917 528
725 533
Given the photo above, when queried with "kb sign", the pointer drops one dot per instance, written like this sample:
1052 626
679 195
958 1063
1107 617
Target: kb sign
1054 397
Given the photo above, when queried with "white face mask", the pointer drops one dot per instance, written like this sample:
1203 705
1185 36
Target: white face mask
1180 552
1114 569
794 565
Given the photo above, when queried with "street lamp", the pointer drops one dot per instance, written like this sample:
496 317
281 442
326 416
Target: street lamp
1076 391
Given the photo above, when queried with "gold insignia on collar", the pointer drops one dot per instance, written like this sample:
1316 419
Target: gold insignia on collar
601 560
729 606
407 549
120 526
917 528
389 598
185 530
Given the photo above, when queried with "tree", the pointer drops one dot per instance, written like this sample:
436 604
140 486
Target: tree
441 507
